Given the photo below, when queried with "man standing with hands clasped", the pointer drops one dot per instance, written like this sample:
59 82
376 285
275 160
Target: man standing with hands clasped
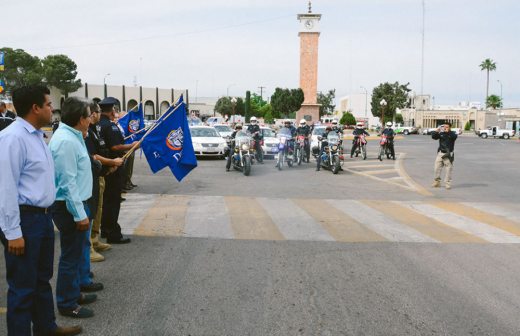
445 154
26 191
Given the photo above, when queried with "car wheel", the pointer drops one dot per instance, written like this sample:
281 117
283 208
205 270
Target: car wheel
406 132
506 136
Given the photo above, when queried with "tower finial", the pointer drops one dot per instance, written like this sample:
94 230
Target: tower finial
310 7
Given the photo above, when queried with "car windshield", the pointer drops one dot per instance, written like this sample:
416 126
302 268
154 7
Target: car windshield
318 131
194 121
204 132
284 132
223 128
268 133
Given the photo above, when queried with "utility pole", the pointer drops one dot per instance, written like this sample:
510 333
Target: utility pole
261 92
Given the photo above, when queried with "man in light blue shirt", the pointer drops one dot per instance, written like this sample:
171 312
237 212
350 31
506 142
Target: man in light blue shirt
70 211
27 233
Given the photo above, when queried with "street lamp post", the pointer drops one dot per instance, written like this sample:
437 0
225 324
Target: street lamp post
366 100
500 82
105 84
383 104
233 104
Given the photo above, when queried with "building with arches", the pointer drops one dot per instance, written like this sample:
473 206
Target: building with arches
155 100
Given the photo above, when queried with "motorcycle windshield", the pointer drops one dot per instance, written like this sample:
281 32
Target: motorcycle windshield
242 137
284 133
333 138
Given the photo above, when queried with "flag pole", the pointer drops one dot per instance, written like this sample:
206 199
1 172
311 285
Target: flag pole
137 132
148 132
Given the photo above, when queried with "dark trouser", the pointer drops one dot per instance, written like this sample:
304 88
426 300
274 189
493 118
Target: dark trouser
354 146
318 159
112 205
128 170
29 297
307 148
390 145
72 243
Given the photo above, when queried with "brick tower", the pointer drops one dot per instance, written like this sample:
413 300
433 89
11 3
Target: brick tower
309 36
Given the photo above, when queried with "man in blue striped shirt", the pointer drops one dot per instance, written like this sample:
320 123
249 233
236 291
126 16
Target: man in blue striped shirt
26 192
70 211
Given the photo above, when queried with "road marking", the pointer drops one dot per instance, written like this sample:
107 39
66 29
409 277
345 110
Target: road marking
381 171
379 223
293 221
500 222
339 225
375 165
165 218
399 165
511 214
249 220
481 230
207 216
132 211
425 225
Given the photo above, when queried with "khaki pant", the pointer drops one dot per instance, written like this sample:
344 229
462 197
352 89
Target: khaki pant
97 221
443 162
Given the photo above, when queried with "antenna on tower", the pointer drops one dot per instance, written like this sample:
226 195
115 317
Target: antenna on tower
310 7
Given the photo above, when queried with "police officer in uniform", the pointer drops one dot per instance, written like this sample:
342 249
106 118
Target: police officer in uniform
115 144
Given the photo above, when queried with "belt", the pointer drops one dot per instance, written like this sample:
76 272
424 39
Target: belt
30 208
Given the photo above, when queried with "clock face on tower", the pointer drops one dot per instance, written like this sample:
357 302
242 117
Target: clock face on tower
309 24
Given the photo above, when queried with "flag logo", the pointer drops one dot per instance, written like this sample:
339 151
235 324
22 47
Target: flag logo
133 126
175 139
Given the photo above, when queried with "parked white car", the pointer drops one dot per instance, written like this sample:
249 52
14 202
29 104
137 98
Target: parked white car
207 141
223 130
495 132
316 132
270 141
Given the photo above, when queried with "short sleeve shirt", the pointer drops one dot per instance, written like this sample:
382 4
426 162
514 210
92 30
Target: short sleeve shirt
111 135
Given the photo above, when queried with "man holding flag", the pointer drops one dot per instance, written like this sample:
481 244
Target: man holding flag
133 127
168 143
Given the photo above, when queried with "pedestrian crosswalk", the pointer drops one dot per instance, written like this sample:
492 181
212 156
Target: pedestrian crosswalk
298 219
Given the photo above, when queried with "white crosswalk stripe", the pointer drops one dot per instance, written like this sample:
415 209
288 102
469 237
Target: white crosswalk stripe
298 219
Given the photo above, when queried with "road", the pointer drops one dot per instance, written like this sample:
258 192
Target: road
371 251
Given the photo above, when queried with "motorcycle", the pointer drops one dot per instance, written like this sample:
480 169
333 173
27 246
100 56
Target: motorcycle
332 157
361 147
241 156
300 149
258 154
285 152
384 148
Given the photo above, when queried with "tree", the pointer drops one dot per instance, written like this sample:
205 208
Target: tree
399 118
488 65
347 119
467 127
21 69
61 72
266 112
395 95
248 106
494 102
286 101
326 101
223 106
256 105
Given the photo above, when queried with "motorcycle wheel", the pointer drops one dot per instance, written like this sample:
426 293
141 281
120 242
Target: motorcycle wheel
247 165
335 165
364 152
290 162
299 156
280 160
381 153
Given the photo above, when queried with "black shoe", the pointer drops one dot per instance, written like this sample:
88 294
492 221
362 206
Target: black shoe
133 185
91 275
118 241
123 199
87 298
317 169
128 187
227 169
78 312
92 287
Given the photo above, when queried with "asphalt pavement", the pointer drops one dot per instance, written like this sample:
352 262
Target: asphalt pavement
371 251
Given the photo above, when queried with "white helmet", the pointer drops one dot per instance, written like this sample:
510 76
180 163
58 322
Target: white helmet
389 124
359 125
253 119
287 121
303 122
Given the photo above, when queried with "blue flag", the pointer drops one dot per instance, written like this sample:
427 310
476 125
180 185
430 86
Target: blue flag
169 143
133 123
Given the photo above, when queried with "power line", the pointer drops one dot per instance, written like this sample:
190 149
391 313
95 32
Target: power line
261 92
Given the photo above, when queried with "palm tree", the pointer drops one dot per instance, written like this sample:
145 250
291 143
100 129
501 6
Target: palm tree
489 65
494 102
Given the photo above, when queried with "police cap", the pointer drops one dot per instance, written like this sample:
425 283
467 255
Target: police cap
108 101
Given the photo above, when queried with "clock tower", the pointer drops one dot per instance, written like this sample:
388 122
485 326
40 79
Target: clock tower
309 36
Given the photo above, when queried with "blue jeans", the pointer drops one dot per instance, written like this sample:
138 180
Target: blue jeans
84 268
29 297
72 244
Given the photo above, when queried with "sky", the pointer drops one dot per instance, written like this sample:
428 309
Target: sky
219 47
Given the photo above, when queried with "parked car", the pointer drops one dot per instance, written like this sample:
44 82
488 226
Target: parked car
223 130
316 132
495 132
406 130
428 131
194 121
270 142
207 141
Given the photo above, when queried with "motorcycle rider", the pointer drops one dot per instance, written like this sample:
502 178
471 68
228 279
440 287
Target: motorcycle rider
359 130
305 130
231 148
323 144
290 142
336 128
390 134
256 134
